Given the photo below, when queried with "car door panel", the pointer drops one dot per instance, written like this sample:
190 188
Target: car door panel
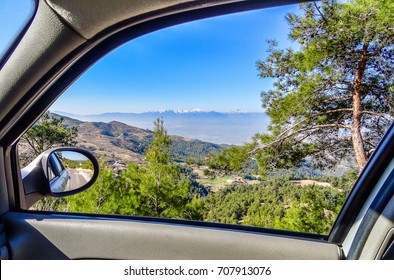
56 236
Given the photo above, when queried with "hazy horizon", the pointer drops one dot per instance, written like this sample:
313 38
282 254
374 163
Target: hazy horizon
193 110
217 128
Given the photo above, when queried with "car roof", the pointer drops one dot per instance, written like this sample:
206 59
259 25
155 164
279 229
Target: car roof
88 18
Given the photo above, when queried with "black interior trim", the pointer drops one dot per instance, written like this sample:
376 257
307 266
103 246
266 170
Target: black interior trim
12 189
4 199
363 187
389 251
4 253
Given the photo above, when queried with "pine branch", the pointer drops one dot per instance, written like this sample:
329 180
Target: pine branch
342 97
283 137
320 13
380 115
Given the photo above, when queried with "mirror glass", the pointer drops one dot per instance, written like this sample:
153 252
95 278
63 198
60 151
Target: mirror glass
68 171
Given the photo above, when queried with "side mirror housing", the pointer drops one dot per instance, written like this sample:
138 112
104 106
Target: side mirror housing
60 172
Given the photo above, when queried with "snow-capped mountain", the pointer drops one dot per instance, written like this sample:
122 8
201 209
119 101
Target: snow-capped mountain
182 111
234 127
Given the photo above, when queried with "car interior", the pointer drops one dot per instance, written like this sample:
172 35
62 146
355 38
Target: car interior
61 41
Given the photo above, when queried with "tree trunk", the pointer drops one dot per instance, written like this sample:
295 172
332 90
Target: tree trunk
357 138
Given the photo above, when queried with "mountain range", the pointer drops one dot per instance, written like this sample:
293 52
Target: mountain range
119 142
231 128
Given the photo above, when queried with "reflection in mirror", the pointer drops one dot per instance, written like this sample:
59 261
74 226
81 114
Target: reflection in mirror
68 171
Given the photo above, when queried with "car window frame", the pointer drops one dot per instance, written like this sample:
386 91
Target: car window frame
105 42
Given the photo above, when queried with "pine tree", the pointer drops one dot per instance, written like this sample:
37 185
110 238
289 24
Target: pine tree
333 97
164 186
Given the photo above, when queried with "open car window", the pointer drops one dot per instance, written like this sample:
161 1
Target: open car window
244 119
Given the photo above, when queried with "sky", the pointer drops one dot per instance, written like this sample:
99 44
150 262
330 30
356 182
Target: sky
208 64
71 155
14 14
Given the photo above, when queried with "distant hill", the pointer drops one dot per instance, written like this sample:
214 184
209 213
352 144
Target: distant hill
123 143
233 128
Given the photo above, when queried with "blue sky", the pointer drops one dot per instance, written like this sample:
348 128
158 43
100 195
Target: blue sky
73 155
209 64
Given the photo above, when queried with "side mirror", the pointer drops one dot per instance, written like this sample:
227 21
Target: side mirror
60 172
68 171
